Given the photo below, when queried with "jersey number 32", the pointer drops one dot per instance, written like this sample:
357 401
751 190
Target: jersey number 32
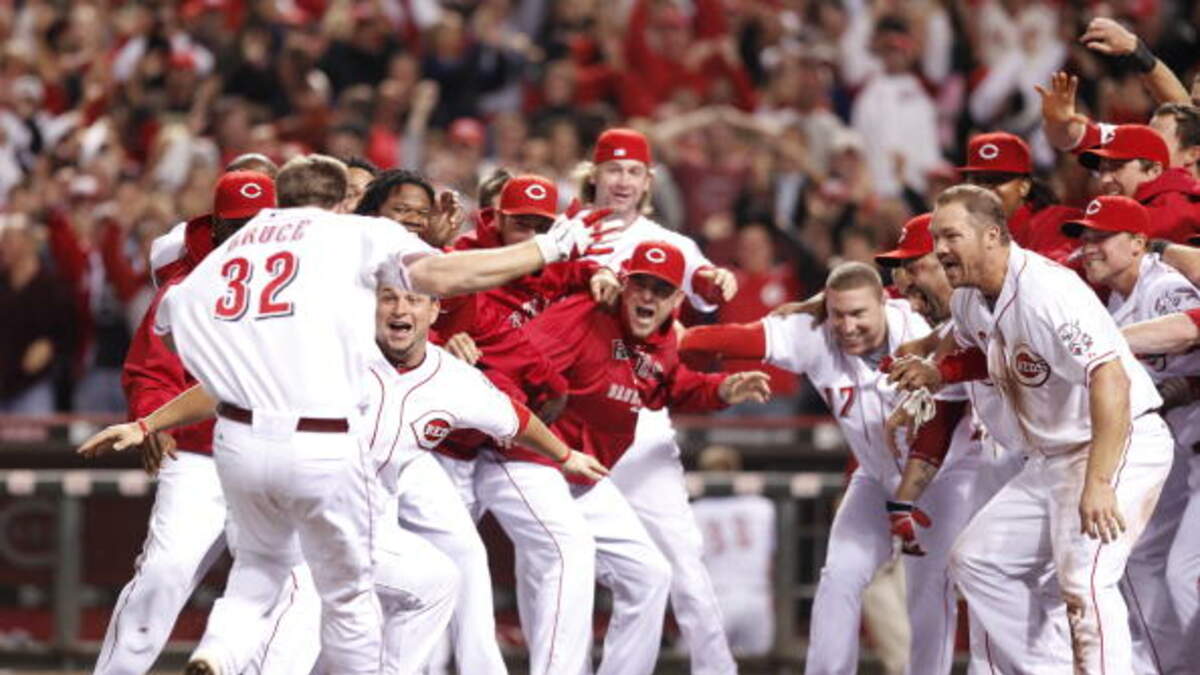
238 272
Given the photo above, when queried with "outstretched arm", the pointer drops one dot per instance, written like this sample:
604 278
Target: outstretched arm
1164 335
1106 36
729 340
190 407
537 437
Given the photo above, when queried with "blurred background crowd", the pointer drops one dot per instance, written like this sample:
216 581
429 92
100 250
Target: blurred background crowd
788 134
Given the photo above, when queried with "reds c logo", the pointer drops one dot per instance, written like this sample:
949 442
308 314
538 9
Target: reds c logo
1031 370
1093 207
432 428
251 190
536 192
989 151
656 255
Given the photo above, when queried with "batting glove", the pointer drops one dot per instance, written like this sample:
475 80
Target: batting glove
905 517
576 234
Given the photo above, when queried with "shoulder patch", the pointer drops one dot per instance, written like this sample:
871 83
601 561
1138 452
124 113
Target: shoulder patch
1075 339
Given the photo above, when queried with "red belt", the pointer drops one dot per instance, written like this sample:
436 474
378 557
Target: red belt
327 425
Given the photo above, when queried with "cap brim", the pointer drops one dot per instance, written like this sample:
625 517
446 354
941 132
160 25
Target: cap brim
677 283
1074 228
237 214
988 169
899 256
1090 159
529 211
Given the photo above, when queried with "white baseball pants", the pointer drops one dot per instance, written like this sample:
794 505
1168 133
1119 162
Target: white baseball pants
417 586
298 496
566 538
1033 524
1183 567
748 619
430 506
650 476
860 543
1154 626
186 536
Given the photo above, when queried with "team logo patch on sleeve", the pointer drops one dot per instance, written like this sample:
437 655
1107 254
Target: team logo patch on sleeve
1029 368
1075 339
1176 300
432 428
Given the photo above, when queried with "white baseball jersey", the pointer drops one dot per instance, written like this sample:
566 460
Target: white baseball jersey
1043 338
1161 290
988 407
858 395
167 248
644 229
279 318
739 541
410 412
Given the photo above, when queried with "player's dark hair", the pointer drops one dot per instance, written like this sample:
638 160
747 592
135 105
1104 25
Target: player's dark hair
312 180
361 163
253 161
853 274
380 188
491 186
983 206
1187 122
1040 194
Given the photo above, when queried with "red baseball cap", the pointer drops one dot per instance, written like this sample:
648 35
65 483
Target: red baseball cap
997 152
658 259
621 144
529 195
915 241
1127 141
1111 214
242 194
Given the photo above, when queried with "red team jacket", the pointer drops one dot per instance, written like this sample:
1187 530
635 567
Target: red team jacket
153 374
611 376
1041 231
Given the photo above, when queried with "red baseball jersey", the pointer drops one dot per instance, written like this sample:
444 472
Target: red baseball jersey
611 376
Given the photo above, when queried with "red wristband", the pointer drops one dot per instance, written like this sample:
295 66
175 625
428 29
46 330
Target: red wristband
1194 315
143 426
963 365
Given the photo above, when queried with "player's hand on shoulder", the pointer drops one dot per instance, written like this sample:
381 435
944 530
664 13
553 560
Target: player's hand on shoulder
584 465
605 287
462 347
753 385
814 307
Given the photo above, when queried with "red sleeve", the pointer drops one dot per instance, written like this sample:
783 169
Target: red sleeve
1194 315
566 278
457 315
963 365
560 331
933 438
523 415
120 273
1091 137
153 375
688 391
730 340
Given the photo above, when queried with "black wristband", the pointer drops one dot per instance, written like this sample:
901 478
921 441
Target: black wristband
899 507
1159 246
1142 59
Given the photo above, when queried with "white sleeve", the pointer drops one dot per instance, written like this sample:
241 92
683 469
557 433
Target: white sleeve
792 342
1076 335
388 250
694 259
1173 294
491 411
162 315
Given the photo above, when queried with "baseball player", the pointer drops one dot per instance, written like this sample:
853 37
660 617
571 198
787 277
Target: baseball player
739 545
168 248
1114 235
927 287
1099 454
301 415
188 519
841 358
650 474
568 535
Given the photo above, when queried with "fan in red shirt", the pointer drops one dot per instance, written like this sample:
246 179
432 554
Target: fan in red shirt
188 521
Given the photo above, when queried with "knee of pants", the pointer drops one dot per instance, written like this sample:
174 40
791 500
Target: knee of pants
852 574
567 551
965 560
433 585
1183 576
651 576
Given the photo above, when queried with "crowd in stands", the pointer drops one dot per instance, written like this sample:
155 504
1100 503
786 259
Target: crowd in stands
789 134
